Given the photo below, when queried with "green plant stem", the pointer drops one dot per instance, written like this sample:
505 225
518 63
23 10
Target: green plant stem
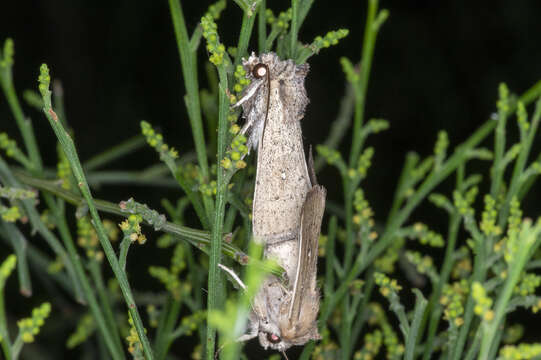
413 333
166 327
304 8
244 37
101 321
434 306
362 308
262 26
369 42
189 72
51 240
123 255
105 303
293 34
430 182
514 185
137 178
4 332
499 148
411 160
114 153
17 347
520 259
24 125
478 275
339 126
19 243
69 149
198 238
214 278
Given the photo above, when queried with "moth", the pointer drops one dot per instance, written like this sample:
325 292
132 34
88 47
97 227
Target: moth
288 203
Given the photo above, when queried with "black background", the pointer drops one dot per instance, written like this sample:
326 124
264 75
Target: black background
437 66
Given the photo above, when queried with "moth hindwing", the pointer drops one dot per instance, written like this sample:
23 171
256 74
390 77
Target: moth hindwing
287 206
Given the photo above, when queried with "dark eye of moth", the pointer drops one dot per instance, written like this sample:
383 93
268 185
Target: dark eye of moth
260 70
273 338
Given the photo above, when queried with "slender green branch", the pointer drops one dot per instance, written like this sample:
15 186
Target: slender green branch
69 149
24 124
413 333
369 42
114 346
5 341
431 181
214 278
189 72
7 177
293 34
124 148
244 37
105 303
19 243
529 241
198 238
262 26
520 164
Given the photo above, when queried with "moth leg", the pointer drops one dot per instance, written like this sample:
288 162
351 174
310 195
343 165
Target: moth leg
253 329
248 93
233 275
246 126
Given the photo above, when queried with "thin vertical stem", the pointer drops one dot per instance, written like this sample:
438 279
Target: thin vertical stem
369 43
294 28
189 72
214 278
69 149
25 125
244 37
262 26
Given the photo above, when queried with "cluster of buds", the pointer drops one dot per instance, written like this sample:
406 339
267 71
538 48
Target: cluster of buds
426 236
521 351
372 344
214 47
387 286
134 342
483 303
280 23
29 327
87 238
131 228
331 38
453 298
234 159
155 140
10 214
85 328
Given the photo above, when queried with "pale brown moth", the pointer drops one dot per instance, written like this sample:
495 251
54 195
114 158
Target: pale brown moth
288 204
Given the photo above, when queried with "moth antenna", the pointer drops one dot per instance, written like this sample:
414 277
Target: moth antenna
284 354
267 75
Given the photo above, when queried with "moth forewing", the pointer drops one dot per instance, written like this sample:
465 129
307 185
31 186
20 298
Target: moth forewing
287 205
305 289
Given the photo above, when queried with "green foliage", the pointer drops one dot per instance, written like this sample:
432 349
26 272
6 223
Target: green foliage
480 271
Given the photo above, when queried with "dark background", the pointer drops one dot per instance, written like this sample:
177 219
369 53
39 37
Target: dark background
437 66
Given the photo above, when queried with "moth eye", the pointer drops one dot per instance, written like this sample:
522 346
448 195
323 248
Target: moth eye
273 338
260 70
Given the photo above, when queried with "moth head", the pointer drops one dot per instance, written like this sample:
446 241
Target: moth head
279 331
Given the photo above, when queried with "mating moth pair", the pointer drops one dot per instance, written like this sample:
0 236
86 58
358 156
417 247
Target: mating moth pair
288 203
